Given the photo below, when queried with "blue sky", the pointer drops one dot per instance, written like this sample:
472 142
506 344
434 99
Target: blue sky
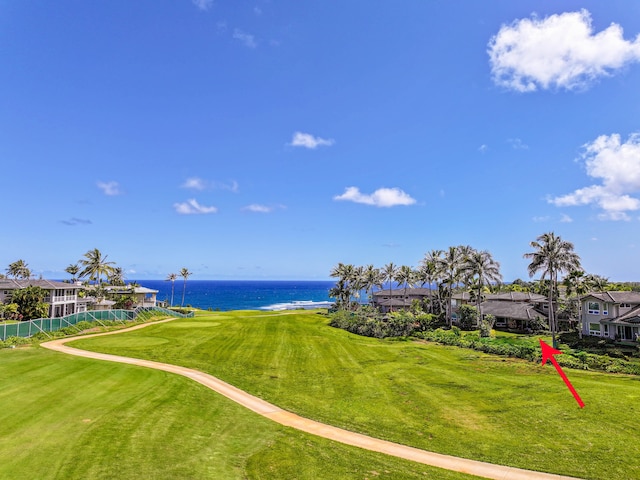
273 139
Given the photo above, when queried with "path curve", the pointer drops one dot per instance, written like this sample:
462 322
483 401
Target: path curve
283 417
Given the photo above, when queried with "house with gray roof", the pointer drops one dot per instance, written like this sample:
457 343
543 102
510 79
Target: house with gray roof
61 297
513 310
614 315
399 298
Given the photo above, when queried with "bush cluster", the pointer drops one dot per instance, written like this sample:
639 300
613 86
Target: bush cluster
372 324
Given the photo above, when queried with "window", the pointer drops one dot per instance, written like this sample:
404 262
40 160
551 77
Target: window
594 308
594 329
625 305
605 309
605 330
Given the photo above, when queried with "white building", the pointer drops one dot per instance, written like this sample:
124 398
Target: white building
61 297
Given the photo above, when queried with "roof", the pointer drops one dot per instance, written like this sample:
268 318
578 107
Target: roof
632 316
12 284
504 297
400 292
615 297
514 310
144 290
517 297
128 289
104 302
393 302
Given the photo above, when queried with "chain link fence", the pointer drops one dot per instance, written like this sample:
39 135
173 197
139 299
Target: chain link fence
27 329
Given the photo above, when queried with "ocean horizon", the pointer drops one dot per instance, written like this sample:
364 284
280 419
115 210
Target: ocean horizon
228 295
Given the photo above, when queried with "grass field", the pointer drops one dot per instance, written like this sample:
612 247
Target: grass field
64 417
438 398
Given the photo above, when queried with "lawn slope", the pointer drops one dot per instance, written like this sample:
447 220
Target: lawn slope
442 399
64 417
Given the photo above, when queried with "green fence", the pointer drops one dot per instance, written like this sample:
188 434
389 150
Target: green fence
27 329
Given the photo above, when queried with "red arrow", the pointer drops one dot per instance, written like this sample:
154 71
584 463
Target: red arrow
548 353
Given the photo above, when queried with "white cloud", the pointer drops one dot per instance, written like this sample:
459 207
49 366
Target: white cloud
566 218
617 164
203 4
110 188
483 148
540 219
232 186
192 207
258 208
309 141
559 51
517 144
195 183
383 197
246 39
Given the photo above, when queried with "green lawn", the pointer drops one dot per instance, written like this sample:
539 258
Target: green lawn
443 399
64 417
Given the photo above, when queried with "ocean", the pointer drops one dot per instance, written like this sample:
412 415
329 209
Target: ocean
245 294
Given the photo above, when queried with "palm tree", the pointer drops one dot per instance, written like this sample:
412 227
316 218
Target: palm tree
18 269
371 277
172 278
577 283
339 292
597 282
482 270
350 279
405 276
551 257
184 273
73 269
428 272
356 282
452 267
117 276
95 265
389 272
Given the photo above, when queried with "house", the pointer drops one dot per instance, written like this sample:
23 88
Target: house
61 297
614 315
144 297
399 298
513 310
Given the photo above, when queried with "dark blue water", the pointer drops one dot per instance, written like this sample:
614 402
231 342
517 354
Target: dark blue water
244 294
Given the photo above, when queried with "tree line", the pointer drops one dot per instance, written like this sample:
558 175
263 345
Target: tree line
463 268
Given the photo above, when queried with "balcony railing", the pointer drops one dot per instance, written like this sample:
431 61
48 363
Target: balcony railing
65 298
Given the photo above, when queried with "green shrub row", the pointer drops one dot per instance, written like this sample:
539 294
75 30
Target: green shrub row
527 351
405 324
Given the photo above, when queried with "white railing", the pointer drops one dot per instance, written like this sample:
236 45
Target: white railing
65 298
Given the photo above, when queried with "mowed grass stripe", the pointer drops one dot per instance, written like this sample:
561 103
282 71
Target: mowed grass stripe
442 399
64 417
